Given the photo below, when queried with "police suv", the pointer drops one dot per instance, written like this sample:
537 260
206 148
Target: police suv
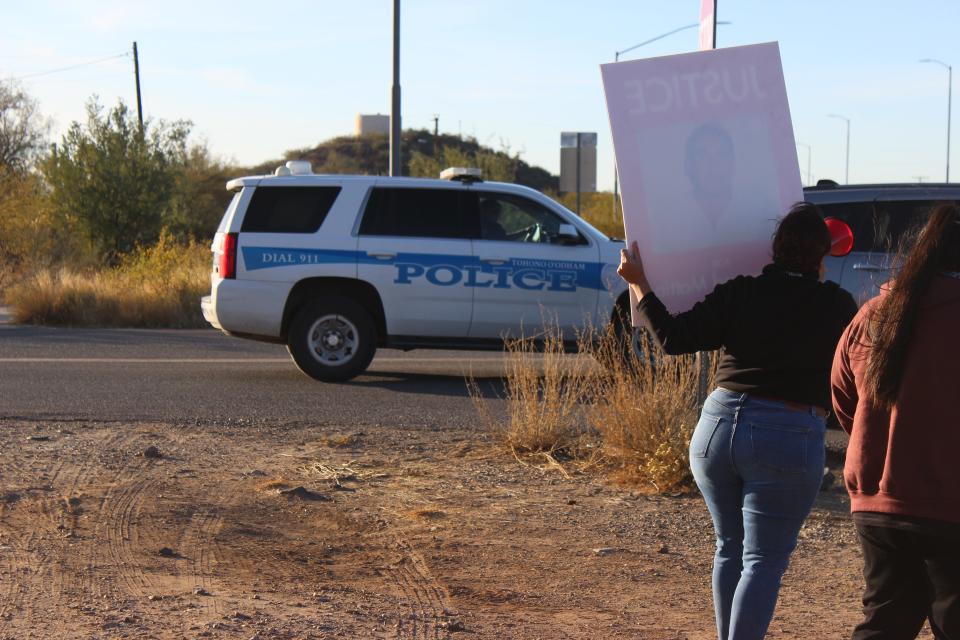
336 266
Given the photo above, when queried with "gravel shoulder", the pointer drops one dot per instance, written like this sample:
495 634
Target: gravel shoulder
243 529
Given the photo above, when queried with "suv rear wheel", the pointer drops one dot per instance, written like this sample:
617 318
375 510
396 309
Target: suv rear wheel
333 340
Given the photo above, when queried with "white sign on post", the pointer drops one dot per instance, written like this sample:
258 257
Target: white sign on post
707 163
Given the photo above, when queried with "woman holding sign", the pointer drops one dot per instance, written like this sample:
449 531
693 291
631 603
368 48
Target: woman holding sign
757 453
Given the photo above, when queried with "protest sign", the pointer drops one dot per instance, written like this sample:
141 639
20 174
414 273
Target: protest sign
707 162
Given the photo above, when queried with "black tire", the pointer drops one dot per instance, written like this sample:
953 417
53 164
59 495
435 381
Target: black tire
332 340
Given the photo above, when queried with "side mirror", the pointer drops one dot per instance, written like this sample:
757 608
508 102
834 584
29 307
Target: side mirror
841 237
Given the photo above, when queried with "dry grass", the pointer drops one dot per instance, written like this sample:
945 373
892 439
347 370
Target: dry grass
341 440
157 286
427 515
631 416
543 393
645 410
273 484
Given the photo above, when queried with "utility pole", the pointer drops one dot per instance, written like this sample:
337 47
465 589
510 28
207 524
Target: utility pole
395 169
136 75
578 173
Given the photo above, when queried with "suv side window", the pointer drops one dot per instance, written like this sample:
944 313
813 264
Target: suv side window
426 213
288 209
880 226
896 221
512 218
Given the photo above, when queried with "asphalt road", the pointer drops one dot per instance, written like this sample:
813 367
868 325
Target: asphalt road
182 376
177 376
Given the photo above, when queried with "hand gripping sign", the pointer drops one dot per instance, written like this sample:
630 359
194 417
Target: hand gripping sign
707 163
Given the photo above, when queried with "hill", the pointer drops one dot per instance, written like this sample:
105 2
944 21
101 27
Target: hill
422 154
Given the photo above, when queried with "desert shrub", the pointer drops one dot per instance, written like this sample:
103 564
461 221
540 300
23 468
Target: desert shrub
645 409
155 286
543 392
117 178
632 416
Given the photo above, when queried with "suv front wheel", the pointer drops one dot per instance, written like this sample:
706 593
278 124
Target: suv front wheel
333 340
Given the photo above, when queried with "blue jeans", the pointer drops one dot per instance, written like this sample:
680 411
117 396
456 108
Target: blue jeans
759 465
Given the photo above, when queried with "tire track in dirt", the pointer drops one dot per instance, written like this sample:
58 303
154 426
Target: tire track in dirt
199 539
119 515
39 564
19 570
19 537
10 551
67 577
425 596
86 557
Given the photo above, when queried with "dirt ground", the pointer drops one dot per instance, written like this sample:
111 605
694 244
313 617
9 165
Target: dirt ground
246 530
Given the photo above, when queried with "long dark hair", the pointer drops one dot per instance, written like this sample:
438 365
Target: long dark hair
890 326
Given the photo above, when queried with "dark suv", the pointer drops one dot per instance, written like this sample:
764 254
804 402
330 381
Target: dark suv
880 215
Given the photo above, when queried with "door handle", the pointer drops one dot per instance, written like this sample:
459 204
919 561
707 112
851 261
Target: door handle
493 260
382 256
863 266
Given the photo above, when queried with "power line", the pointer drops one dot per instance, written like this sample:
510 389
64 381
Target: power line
74 66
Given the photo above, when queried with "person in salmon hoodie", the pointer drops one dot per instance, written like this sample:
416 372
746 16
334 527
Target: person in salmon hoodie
896 391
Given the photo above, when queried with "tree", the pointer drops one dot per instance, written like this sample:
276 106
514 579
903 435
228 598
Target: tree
117 179
200 196
22 129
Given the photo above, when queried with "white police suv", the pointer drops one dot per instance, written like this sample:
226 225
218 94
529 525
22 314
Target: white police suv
335 266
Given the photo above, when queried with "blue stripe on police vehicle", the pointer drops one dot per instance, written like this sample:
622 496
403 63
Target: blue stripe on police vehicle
445 270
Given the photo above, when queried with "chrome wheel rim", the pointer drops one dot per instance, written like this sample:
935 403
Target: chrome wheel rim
333 340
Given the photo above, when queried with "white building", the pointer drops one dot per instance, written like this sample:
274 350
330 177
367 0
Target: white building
372 124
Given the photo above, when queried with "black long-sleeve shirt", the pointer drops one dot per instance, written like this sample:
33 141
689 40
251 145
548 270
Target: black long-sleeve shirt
778 332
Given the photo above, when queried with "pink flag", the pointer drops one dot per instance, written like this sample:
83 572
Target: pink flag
708 19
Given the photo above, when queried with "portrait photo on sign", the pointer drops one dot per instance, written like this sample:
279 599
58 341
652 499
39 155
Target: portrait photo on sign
717 179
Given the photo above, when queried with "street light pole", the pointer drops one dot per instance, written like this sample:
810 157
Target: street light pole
949 104
616 58
846 177
395 106
809 155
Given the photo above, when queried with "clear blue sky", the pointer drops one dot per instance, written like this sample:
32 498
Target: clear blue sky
259 78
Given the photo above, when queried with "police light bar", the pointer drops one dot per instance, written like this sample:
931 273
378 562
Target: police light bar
300 167
295 168
464 174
